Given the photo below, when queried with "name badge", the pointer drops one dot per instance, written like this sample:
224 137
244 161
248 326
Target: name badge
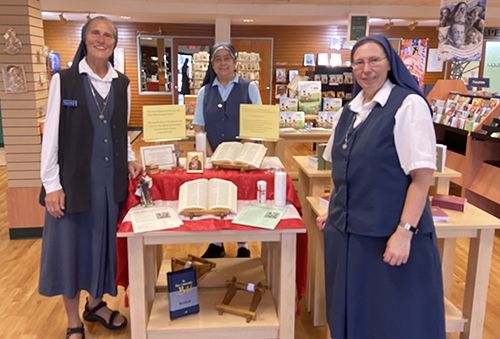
70 103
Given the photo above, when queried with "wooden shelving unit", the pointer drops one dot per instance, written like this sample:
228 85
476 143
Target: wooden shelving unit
474 155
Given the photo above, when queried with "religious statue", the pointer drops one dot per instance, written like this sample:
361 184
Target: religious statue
177 153
144 184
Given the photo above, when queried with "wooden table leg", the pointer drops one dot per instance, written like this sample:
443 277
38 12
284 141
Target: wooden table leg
443 186
448 264
136 270
319 296
286 303
476 283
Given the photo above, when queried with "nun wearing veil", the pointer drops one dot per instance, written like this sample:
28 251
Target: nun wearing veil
218 111
86 159
382 266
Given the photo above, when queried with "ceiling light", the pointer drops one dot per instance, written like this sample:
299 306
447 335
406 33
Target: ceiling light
412 26
388 25
248 20
126 17
88 17
63 19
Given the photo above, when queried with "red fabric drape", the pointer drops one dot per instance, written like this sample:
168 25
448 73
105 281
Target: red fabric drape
166 187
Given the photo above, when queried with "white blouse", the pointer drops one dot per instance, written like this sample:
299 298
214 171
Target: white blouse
49 171
414 134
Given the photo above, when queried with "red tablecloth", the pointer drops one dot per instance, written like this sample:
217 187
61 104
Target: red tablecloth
166 187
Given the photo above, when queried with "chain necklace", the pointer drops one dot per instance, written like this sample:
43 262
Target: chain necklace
346 140
101 111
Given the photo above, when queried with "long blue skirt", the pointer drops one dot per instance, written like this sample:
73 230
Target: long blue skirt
79 250
367 298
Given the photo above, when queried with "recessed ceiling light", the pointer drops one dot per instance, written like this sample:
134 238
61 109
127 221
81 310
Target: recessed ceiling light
248 20
126 17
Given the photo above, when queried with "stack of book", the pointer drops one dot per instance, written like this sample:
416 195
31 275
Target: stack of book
449 202
438 214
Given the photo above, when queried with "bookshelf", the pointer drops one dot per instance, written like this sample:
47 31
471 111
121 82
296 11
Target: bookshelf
475 155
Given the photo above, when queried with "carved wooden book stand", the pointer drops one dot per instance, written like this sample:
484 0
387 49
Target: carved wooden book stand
232 287
200 265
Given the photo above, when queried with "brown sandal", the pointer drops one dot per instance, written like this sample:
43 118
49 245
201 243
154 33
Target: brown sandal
75 330
91 316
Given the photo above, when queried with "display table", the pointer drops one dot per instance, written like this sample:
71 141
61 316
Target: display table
283 266
474 224
278 148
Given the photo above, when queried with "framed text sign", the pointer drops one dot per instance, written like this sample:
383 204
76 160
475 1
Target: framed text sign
358 26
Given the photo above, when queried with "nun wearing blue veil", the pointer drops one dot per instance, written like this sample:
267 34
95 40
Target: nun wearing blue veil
86 160
382 266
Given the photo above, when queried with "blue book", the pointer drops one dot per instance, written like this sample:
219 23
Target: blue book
183 293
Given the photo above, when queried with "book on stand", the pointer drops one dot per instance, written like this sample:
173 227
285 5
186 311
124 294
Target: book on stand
248 153
203 194
182 293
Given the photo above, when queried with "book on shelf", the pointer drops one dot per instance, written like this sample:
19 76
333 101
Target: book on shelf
438 214
440 157
312 161
309 96
234 152
182 293
294 120
329 104
206 194
288 104
322 163
449 202
324 201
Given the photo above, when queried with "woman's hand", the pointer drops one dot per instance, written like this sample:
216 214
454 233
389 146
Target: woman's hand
134 169
398 247
321 221
54 203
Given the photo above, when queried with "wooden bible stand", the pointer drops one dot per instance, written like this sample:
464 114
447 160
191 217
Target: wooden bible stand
224 165
200 265
192 212
232 287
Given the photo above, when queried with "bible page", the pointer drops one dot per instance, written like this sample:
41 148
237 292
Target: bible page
226 152
193 194
251 154
222 194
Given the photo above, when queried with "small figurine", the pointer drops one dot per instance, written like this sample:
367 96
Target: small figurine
144 184
178 153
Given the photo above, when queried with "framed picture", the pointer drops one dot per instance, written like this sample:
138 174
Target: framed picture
309 60
292 74
280 75
322 59
54 62
119 59
281 91
195 162
14 79
161 155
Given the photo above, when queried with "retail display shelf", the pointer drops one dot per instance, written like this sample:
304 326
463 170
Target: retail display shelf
250 270
208 324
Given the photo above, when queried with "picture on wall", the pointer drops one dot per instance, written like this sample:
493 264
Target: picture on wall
309 60
119 59
54 62
280 75
14 79
292 74
461 27
281 91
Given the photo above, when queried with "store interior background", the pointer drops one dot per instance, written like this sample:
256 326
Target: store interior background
295 27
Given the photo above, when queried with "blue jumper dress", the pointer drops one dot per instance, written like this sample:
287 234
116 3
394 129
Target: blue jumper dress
79 249
366 297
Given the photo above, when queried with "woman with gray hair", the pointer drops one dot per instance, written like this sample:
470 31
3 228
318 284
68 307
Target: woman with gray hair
86 160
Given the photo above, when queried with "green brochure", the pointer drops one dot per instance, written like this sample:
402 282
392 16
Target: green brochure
260 216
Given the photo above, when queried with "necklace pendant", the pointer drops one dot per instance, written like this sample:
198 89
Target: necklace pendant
101 116
219 105
344 146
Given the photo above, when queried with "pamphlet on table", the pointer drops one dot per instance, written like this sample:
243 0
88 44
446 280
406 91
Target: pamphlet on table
154 219
260 216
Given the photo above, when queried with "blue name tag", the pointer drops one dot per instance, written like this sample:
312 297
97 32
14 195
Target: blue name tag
70 103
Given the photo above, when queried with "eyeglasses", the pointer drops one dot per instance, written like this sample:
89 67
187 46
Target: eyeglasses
373 62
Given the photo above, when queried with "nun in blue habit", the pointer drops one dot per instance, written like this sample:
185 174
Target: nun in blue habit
382 266
86 160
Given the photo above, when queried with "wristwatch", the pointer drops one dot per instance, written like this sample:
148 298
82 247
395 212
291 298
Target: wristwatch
408 227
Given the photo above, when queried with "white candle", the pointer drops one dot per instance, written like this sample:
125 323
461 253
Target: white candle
280 188
201 143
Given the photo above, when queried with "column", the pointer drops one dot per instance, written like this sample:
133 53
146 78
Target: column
21 116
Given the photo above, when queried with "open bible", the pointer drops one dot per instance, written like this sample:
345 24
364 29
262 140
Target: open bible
203 194
248 153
